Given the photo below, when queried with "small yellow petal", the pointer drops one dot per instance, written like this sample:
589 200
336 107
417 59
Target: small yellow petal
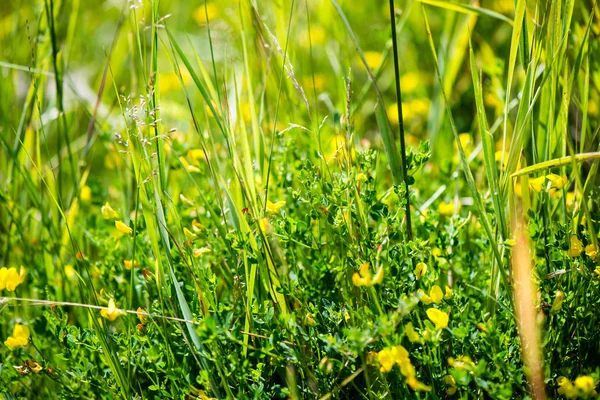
438 317
124 229
108 212
274 207
537 184
436 294
420 270
189 235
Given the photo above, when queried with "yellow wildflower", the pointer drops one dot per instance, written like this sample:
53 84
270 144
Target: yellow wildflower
86 193
591 251
557 181
537 184
448 208
273 208
436 294
112 312
142 315
411 334
19 338
265 226
201 251
449 293
70 272
567 388
189 235
108 212
200 13
585 384
557 303
197 226
10 278
373 58
420 270
363 276
451 385
501 157
129 263
570 199
424 297
386 360
597 270
462 362
196 156
186 201
576 247
416 385
124 229
438 317
466 141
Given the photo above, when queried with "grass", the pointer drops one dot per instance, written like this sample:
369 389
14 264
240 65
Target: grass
319 199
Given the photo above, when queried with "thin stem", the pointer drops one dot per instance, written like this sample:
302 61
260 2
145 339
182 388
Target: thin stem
401 121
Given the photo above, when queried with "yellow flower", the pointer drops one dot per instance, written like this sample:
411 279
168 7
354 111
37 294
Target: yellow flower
124 229
567 388
439 318
597 270
411 334
108 212
424 298
70 272
129 263
448 208
363 276
19 338
265 226
274 207
189 235
537 184
448 294
86 193
196 156
142 315
420 270
386 360
112 312
373 59
576 247
557 181
201 251
451 385
186 201
591 251
466 141
416 385
378 277
585 384
557 303
499 158
462 362
570 200
436 294
200 13
10 278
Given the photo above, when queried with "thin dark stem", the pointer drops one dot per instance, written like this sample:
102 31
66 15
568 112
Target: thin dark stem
401 120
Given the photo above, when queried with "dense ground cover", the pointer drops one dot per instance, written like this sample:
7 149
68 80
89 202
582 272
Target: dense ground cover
251 199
